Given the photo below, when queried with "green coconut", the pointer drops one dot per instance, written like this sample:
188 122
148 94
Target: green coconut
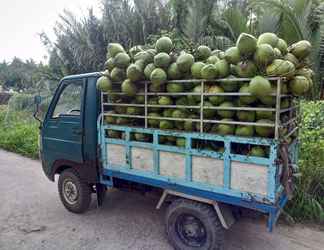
264 131
120 109
284 104
269 115
110 119
224 129
175 87
246 131
232 55
122 60
148 70
268 38
134 50
196 69
203 52
198 89
264 54
209 71
146 56
113 134
260 86
190 125
141 137
118 74
246 44
158 76
269 100
109 64
165 100
208 113
134 72
141 64
184 62
215 100
166 125
182 101
246 99
257 151
282 46
212 59
162 60
122 121
247 69
178 113
134 110
156 88
299 85
104 84
230 84
128 88
226 113
246 116
223 68
173 72
167 112
164 44
307 72
277 53
140 99
154 122
114 49
181 142
291 58
301 49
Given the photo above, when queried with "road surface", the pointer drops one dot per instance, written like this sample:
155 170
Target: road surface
32 217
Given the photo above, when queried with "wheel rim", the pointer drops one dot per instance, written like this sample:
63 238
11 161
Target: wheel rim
70 192
191 230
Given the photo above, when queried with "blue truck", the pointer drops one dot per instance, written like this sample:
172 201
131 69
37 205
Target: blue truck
203 188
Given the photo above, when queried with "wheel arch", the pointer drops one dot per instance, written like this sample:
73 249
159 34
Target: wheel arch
87 171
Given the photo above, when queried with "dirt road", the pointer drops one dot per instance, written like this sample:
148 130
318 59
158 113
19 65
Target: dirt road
32 217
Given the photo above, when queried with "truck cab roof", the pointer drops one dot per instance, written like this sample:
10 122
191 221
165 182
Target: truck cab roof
86 75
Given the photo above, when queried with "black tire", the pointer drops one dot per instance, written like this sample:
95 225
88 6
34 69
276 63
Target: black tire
193 225
79 198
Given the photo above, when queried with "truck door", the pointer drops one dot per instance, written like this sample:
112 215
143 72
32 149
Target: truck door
63 126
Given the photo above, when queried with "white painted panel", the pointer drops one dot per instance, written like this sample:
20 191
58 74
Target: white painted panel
142 159
172 164
208 170
249 178
116 155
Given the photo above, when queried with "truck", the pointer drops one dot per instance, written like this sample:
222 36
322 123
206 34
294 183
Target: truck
203 189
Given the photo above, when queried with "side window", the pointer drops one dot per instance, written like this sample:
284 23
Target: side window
69 102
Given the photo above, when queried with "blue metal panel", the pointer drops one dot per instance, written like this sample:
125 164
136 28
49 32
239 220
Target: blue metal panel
196 190
227 164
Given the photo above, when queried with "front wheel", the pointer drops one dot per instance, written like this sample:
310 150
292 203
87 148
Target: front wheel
75 194
193 225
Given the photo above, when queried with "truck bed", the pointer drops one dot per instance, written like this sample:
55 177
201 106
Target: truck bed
246 181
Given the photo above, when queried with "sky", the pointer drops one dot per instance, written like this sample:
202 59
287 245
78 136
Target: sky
22 20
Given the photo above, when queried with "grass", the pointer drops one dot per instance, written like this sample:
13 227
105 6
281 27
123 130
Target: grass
19 133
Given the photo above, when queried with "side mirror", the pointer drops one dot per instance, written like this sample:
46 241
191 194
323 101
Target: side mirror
37 102
37 99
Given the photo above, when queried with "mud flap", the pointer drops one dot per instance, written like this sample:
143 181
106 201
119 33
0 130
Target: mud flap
101 193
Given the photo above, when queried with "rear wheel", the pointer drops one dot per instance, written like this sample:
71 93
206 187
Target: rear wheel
193 225
75 194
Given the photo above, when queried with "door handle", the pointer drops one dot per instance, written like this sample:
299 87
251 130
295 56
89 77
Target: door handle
77 131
